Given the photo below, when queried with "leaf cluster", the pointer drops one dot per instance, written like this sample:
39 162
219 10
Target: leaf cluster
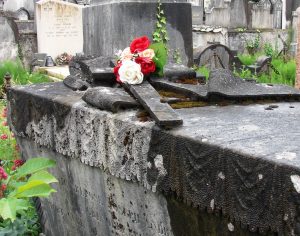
30 180
160 33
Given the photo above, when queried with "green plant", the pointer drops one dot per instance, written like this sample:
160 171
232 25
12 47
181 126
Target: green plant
268 49
160 58
160 34
203 70
19 183
177 57
248 59
8 146
253 45
19 74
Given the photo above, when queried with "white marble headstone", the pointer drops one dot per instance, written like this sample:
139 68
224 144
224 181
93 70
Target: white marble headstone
59 27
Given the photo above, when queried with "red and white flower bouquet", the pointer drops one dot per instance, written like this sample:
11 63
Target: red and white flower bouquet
139 60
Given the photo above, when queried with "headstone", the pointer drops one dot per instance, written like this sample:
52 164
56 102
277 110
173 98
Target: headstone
15 5
104 27
261 17
22 14
59 27
39 59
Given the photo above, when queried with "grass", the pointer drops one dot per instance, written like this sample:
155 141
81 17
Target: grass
248 59
287 71
204 71
20 76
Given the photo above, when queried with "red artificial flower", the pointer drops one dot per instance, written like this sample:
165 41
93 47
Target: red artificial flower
3 174
17 163
147 65
139 44
3 137
4 123
116 71
3 187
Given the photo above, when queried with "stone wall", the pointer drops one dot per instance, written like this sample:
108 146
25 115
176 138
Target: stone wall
240 13
8 42
235 40
17 31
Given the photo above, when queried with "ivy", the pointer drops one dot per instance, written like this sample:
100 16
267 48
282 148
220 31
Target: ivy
160 35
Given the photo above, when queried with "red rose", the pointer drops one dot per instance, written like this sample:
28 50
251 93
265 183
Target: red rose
147 65
116 71
139 44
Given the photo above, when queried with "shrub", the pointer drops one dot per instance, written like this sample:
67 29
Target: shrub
19 74
19 183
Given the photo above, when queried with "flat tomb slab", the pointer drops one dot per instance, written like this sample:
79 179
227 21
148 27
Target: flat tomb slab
228 159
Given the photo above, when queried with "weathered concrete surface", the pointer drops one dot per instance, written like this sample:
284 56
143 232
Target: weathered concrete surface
242 161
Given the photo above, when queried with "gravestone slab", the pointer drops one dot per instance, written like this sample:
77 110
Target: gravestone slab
59 27
223 82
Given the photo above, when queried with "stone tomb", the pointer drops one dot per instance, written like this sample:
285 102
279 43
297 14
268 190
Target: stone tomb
119 175
105 27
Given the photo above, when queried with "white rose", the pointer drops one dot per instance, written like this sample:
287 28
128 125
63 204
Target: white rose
126 54
130 72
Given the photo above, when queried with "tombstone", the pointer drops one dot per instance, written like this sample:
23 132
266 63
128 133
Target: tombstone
260 14
15 5
59 27
103 27
22 14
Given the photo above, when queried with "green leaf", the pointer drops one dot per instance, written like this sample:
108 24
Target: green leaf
32 166
161 56
158 25
10 206
156 34
44 176
34 188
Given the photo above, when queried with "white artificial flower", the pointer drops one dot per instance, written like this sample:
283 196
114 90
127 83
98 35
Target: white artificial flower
126 54
130 72
149 53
